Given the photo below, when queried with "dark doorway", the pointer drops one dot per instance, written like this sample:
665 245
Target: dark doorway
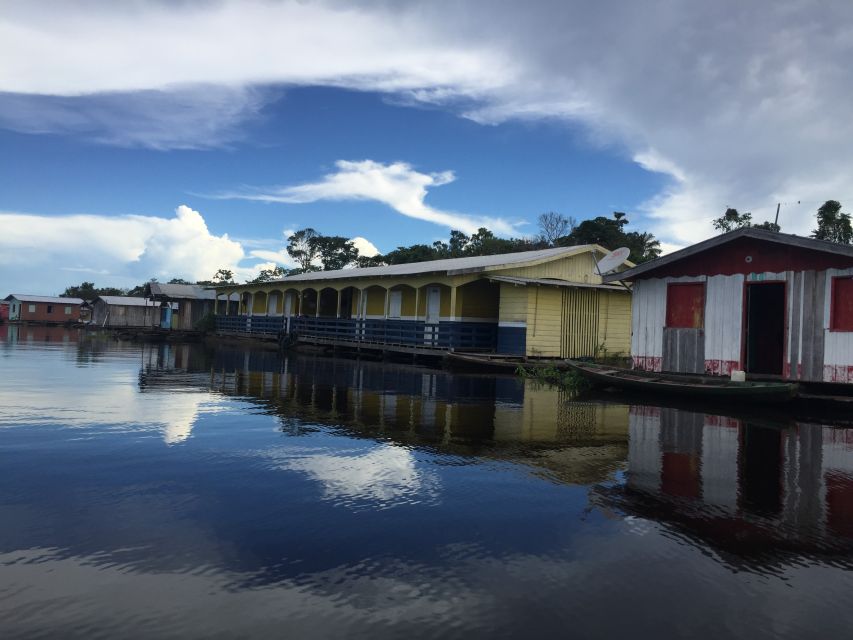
765 327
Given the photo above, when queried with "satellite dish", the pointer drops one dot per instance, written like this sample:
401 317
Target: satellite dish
613 260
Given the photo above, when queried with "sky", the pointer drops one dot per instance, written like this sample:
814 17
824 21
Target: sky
171 139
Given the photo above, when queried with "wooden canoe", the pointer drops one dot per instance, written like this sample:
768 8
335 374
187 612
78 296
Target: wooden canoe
685 385
509 364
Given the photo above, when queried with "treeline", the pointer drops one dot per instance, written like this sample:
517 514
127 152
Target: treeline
88 290
832 224
313 251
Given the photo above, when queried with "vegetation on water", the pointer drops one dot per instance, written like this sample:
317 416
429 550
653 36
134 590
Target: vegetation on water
566 378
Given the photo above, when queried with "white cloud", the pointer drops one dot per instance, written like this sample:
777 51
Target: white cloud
36 249
742 104
365 247
397 185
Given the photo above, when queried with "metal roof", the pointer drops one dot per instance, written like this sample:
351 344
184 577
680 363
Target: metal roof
449 266
127 301
24 297
185 291
787 239
555 282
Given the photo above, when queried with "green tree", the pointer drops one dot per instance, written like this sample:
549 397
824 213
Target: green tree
268 275
302 247
610 233
335 252
88 291
832 224
732 220
768 226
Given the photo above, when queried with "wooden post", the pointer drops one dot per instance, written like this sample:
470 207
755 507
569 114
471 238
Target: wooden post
339 303
417 301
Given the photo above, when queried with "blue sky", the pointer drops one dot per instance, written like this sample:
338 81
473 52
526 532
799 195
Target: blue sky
161 139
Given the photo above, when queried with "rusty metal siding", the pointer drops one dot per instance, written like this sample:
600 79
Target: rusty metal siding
838 345
648 314
683 350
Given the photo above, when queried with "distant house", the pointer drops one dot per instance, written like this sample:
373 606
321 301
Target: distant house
754 300
544 303
4 310
46 309
181 305
125 312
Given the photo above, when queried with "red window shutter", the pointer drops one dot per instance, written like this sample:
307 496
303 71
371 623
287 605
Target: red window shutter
685 305
842 304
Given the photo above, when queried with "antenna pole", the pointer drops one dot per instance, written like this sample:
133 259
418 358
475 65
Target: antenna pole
778 205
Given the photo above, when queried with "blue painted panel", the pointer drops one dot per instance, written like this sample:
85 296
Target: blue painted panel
512 340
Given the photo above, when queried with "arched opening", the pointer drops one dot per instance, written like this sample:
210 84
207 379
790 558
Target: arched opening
349 302
275 302
373 303
328 303
245 303
259 303
233 302
402 301
291 303
308 302
478 301
221 308
433 303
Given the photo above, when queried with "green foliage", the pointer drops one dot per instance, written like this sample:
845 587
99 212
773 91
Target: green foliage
732 219
610 233
568 379
206 323
267 275
768 226
308 246
832 224
88 291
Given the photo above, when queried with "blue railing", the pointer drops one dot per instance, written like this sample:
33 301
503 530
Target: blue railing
481 336
250 324
474 336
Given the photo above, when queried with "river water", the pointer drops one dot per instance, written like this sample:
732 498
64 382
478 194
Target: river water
178 490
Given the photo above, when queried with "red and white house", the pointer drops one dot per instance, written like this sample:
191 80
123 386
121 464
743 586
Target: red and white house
763 302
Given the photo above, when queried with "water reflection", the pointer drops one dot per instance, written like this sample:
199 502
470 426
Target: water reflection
197 491
747 487
409 405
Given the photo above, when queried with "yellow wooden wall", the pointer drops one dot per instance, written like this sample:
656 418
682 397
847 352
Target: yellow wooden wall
577 268
513 303
544 326
614 326
563 322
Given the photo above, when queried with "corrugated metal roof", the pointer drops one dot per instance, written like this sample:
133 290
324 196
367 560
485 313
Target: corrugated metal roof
776 237
127 301
450 266
187 291
24 297
555 282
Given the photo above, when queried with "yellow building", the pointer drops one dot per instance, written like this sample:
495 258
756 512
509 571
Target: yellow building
545 303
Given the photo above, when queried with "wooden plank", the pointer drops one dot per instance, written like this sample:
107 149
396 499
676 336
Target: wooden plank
809 323
817 357
794 329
